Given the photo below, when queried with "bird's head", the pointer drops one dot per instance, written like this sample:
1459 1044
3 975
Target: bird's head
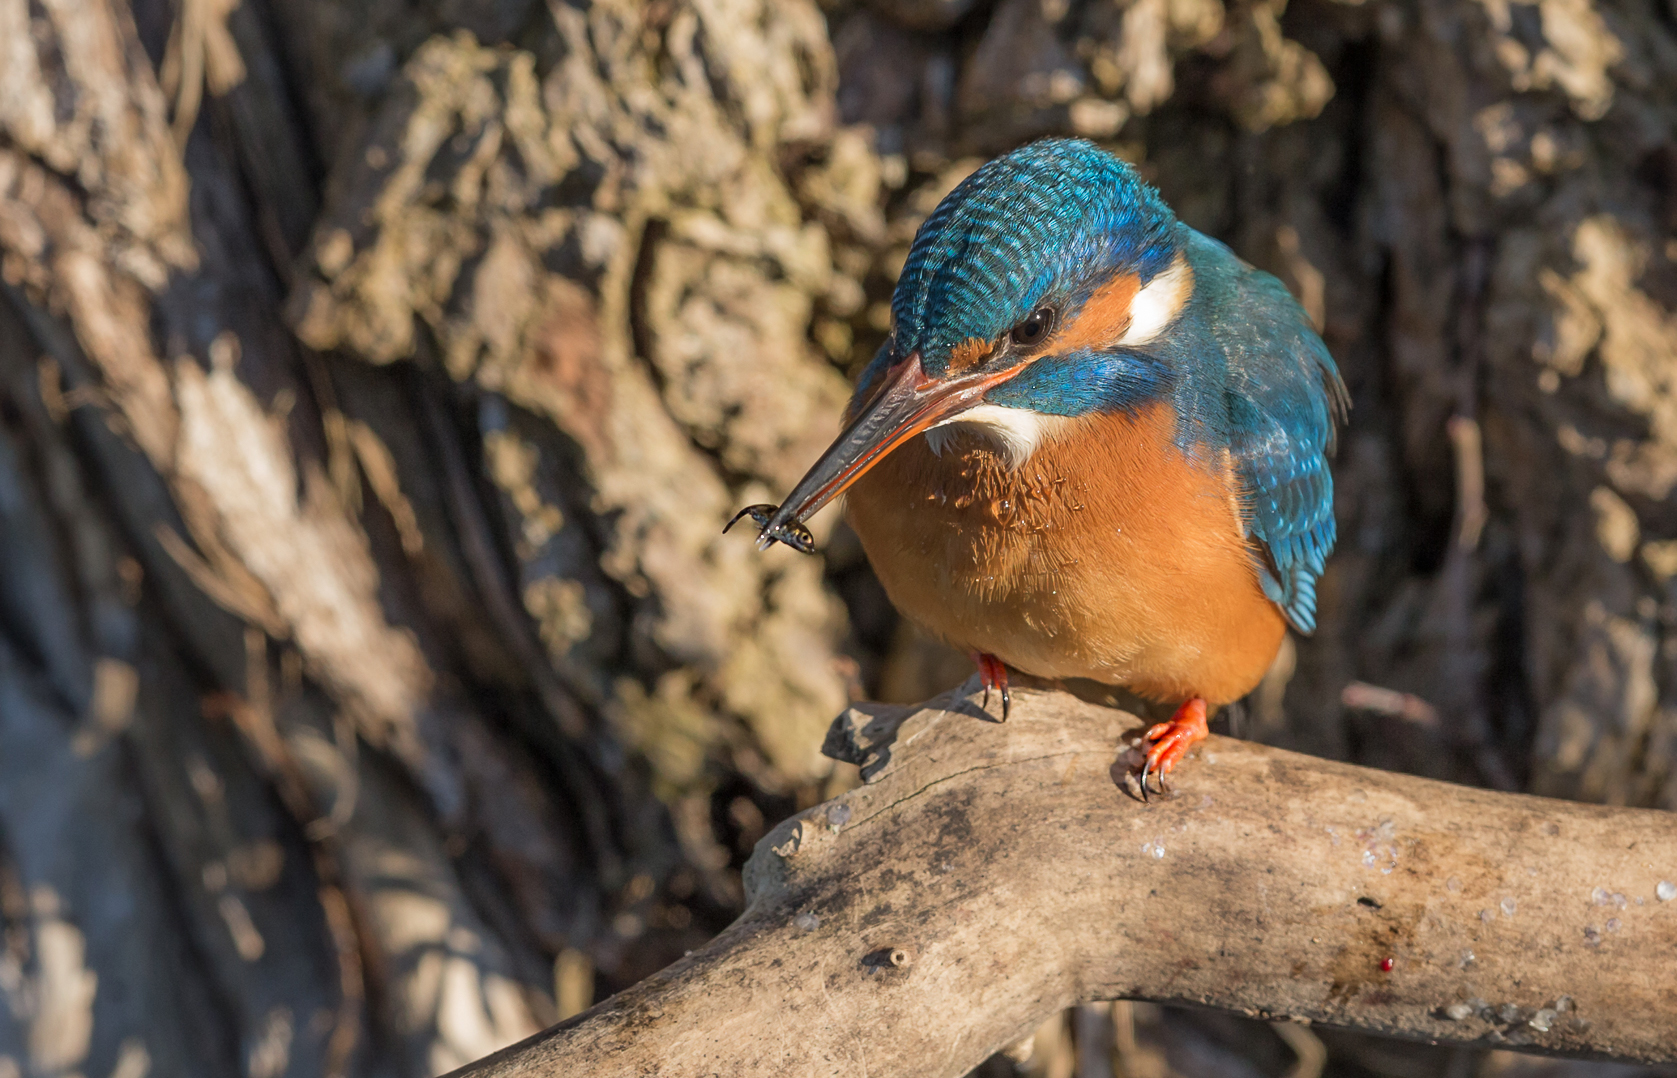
1026 294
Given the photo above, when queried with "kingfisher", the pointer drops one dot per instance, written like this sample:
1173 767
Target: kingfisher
1095 444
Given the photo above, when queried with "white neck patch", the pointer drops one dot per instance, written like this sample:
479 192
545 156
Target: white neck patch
1015 431
1155 307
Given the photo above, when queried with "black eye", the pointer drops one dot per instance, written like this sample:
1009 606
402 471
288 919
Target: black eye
1033 330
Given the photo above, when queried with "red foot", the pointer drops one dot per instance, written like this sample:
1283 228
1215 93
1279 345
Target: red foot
993 672
1172 740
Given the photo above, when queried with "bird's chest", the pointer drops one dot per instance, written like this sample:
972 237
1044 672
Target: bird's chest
1105 501
1106 548
967 522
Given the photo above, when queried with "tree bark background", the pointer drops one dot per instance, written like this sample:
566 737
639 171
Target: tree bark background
375 377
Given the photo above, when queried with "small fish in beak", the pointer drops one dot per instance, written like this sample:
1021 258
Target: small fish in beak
791 533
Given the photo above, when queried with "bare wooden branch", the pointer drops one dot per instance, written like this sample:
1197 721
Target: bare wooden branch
986 875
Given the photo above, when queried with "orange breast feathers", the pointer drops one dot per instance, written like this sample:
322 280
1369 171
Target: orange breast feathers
1108 553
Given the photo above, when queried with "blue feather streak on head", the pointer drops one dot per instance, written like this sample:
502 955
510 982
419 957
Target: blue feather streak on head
1081 382
1047 222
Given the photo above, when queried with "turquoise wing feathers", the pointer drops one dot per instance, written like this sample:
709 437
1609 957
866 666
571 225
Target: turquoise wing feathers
1285 403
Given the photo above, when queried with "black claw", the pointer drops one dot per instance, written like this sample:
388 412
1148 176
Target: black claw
1152 782
986 704
1007 702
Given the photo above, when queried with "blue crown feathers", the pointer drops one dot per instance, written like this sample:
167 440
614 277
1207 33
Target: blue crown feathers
1049 219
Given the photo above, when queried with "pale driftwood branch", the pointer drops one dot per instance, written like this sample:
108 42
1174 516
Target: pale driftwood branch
986 875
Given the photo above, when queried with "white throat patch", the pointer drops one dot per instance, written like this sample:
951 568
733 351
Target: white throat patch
1156 306
1015 431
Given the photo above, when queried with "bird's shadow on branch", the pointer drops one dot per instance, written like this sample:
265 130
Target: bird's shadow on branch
866 733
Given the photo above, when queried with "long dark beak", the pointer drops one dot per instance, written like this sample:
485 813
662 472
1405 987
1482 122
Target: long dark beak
907 404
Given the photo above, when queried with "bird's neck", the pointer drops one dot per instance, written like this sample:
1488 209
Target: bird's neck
968 475
1012 435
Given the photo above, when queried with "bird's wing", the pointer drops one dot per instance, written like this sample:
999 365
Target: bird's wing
1286 401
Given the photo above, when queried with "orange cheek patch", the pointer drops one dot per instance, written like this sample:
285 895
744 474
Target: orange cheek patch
968 353
1103 319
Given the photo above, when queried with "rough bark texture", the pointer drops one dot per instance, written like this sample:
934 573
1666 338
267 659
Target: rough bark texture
906 927
376 375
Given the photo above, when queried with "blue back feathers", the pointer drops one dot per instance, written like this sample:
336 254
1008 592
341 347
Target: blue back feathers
1241 365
